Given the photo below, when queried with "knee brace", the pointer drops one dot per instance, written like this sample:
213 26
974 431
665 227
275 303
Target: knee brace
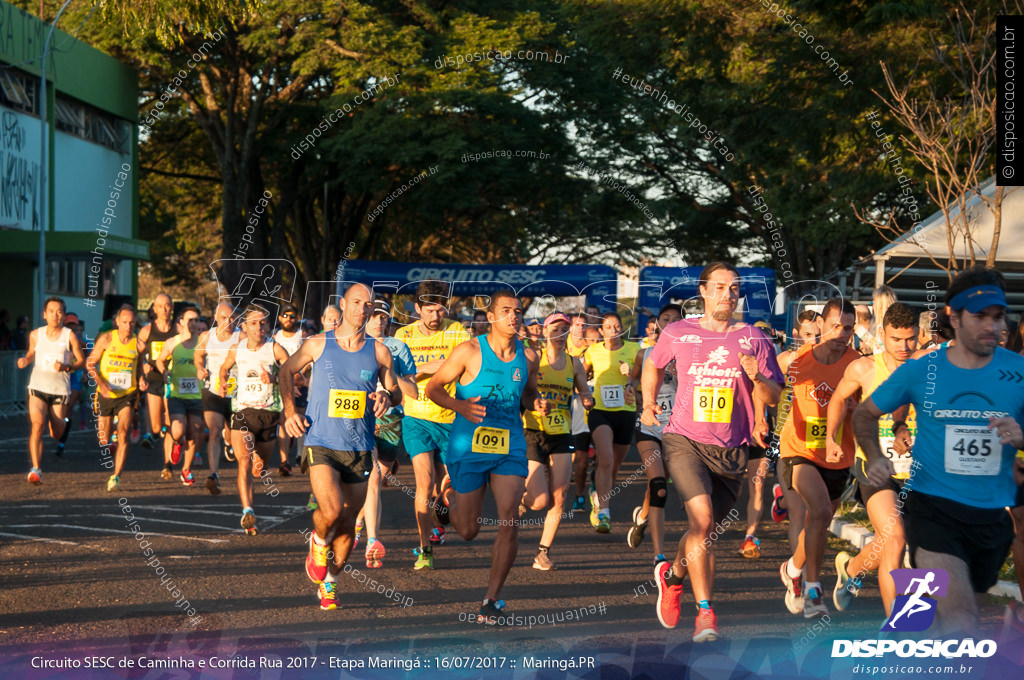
659 492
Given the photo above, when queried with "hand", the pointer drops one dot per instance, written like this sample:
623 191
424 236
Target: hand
222 389
143 384
902 442
294 425
202 373
430 367
382 402
104 389
760 434
833 451
630 395
58 366
625 368
650 414
880 471
542 406
296 391
1008 430
22 362
472 411
588 402
264 376
750 366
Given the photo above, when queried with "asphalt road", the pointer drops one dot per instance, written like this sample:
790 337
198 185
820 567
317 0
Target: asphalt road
75 583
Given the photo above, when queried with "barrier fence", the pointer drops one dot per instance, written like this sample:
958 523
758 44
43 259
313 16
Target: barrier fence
13 385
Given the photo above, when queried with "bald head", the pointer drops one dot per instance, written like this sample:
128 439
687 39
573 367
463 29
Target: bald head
358 289
162 306
356 307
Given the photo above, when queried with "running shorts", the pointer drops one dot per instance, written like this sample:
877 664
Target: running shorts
699 469
260 423
184 407
540 446
216 403
470 475
51 400
421 436
865 489
622 424
107 407
835 480
353 466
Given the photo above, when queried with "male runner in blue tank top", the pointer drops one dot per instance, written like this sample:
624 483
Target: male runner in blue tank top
493 375
339 447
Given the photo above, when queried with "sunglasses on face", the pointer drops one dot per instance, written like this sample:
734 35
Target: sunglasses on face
289 315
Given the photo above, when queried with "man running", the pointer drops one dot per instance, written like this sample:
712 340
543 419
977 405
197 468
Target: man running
494 376
817 474
256 407
211 350
426 425
613 418
151 341
721 364
54 351
113 366
290 336
969 413
184 400
339 445
549 447
885 551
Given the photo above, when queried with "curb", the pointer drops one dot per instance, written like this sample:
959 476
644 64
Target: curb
860 536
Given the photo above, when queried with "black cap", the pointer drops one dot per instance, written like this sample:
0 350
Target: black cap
287 307
381 307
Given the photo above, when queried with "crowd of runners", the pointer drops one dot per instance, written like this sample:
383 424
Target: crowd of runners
918 417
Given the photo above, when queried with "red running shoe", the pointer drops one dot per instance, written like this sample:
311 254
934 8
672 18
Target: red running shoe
778 512
316 561
706 629
668 596
175 453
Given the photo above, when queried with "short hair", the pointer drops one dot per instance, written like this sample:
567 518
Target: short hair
807 316
611 315
926 321
125 307
254 309
863 313
54 298
184 310
497 295
433 292
671 306
977 275
578 315
705 274
899 315
842 304
480 312
331 308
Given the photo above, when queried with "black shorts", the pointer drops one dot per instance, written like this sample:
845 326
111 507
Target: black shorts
184 407
107 407
755 452
641 436
980 537
865 489
581 442
622 424
50 399
540 446
699 469
260 423
835 480
386 451
216 403
155 384
353 466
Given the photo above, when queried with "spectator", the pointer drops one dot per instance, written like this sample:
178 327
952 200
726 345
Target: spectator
21 333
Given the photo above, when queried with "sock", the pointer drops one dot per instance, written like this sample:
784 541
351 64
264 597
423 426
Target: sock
543 548
792 571
750 537
672 579
319 541
808 585
330 578
247 508
703 604
604 511
67 431
425 551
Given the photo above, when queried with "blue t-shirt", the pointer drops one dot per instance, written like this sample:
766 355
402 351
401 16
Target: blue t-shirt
958 456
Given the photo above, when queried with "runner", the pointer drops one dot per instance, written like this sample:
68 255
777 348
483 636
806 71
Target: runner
613 417
151 341
549 447
818 475
648 444
885 551
114 366
426 425
720 364
211 350
581 455
807 332
494 376
75 385
185 399
387 431
54 351
969 414
339 445
290 336
256 407
479 325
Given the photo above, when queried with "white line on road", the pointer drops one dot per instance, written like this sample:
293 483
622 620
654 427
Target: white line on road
38 538
114 531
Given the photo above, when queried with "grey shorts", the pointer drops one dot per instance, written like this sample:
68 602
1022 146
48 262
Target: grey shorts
698 469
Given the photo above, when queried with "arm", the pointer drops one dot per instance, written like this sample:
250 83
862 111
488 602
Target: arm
650 384
760 432
405 370
837 408
142 339
450 371
531 398
77 353
30 355
93 361
199 356
165 354
865 428
308 352
579 382
222 375
390 380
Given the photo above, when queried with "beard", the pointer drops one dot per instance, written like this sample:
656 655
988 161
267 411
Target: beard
718 315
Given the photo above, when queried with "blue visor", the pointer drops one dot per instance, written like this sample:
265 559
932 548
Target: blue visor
978 298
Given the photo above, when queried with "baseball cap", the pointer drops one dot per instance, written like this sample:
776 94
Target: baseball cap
287 307
765 326
978 298
381 307
555 317
71 317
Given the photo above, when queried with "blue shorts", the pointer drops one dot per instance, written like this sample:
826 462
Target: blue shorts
76 381
422 436
469 475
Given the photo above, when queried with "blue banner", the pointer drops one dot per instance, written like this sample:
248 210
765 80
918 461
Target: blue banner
660 285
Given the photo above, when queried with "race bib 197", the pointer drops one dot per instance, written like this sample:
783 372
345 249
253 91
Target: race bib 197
490 440
972 450
349 404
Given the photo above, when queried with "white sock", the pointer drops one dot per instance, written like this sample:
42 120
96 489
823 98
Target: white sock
808 585
319 541
604 511
792 571
331 578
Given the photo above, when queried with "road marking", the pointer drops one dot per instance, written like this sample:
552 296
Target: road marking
38 538
167 521
115 531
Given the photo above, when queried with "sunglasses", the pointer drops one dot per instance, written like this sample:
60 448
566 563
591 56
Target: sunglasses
289 315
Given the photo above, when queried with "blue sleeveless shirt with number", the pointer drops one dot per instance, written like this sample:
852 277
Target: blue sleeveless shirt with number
341 415
500 387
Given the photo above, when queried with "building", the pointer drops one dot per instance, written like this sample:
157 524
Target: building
92 244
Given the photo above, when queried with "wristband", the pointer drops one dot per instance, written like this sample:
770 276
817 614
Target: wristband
1020 454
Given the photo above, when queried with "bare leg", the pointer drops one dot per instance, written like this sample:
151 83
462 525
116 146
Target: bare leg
957 612
423 469
604 459
885 551
693 557
560 470
507 490
536 496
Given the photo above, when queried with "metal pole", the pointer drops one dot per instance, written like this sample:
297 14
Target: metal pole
43 193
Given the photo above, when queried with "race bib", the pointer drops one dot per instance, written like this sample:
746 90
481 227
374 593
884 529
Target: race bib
972 450
188 385
712 404
613 396
901 464
666 410
814 432
158 347
121 380
349 404
490 440
556 422
49 359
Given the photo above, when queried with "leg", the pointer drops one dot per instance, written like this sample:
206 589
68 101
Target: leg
244 445
957 612
536 496
619 452
579 463
155 407
756 471
507 490
326 484
693 557
37 415
55 415
370 511
214 423
560 470
811 487
885 552
650 454
195 438
423 469
1018 543
604 461
124 423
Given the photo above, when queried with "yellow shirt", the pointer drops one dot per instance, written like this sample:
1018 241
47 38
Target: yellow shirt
609 382
556 387
427 348
572 350
117 365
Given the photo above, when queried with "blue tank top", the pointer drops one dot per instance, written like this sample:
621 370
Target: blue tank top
500 387
341 415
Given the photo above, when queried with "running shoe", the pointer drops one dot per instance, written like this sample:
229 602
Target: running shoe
311 504
542 562
249 522
213 484
580 504
491 612
175 453
659 558
668 596
197 460
135 435
1013 620
594 509
751 548
186 478
437 536
60 449
794 591
167 473
604 524
229 453
814 607
424 560
35 476
316 561
284 469
635 535
359 532
441 502
328 595
375 554
847 587
778 512
114 483
706 628
147 441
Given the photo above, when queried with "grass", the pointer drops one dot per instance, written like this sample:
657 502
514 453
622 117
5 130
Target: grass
855 513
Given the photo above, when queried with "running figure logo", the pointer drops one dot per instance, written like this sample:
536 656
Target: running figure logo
914 610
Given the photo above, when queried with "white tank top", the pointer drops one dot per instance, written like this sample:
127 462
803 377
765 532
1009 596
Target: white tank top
290 344
44 377
252 392
216 352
